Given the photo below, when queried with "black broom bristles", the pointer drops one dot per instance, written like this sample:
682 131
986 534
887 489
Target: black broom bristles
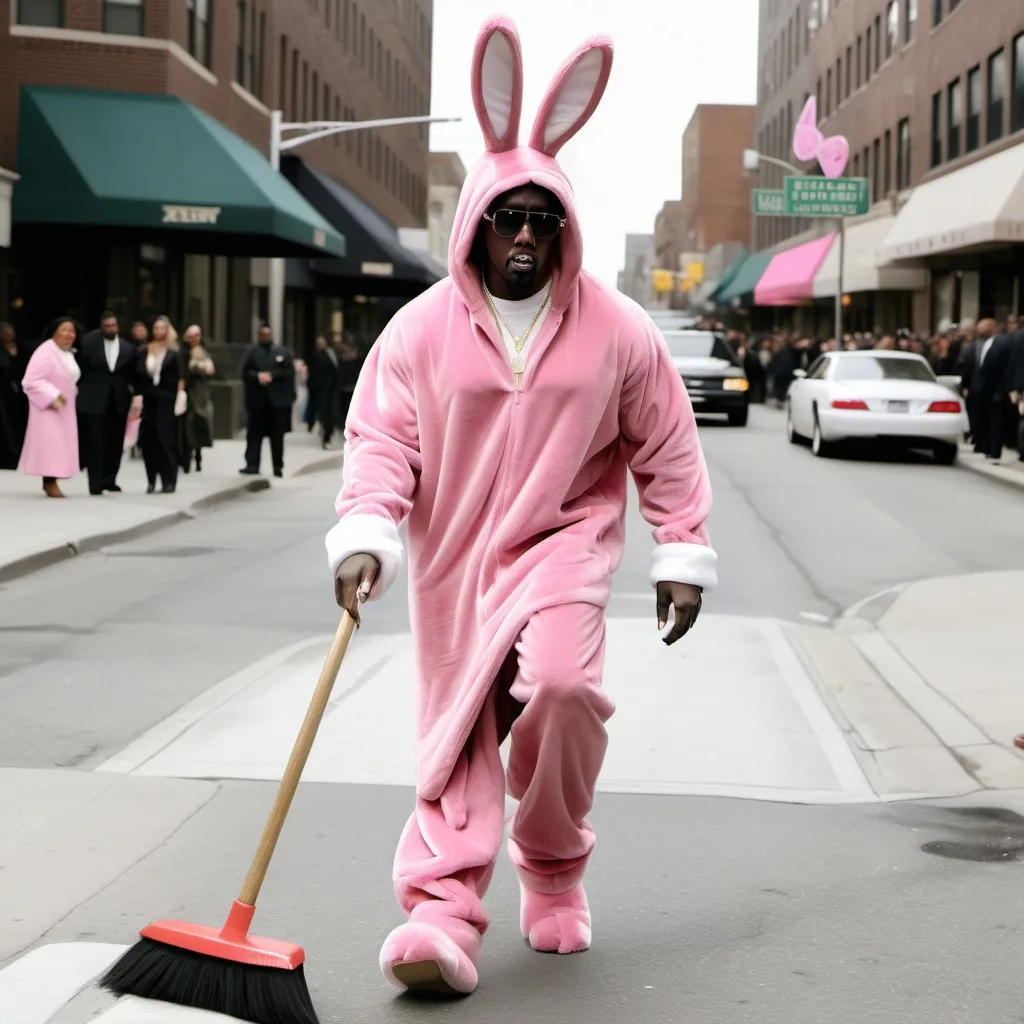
263 995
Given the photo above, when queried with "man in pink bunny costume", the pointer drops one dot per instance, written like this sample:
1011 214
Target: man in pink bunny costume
499 413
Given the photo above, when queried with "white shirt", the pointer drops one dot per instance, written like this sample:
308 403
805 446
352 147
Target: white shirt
72 364
985 348
111 346
518 313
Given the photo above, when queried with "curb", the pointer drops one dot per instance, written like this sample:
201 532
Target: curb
334 461
1006 475
29 564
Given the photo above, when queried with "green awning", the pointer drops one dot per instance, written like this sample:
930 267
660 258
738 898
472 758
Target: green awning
132 160
728 276
746 278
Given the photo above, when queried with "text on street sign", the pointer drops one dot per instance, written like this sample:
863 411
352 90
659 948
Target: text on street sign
768 202
826 197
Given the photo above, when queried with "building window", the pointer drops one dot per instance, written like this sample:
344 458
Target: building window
797 36
849 72
1017 105
996 95
199 30
314 108
867 57
936 129
282 73
876 171
856 165
42 13
122 17
240 41
973 109
817 96
909 20
887 166
865 166
878 42
828 92
262 57
892 28
337 117
954 116
373 54
860 60
903 154
295 86
839 82
937 14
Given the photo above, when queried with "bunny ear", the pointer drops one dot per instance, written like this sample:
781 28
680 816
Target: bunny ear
498 84
573 96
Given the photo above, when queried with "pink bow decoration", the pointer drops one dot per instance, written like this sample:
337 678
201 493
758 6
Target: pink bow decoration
832 153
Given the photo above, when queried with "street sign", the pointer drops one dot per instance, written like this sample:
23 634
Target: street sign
768 202
826 197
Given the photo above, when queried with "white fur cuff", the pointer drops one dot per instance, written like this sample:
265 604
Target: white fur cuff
684 563
371 535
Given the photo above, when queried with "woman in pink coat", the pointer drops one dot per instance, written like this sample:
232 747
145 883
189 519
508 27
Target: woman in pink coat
51 384
500 414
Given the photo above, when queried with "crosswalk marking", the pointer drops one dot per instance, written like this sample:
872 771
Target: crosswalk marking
729 711
34 987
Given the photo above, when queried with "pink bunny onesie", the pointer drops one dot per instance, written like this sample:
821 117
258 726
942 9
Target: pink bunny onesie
515 497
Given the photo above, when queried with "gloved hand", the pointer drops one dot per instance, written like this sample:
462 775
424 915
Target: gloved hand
354 580
180 403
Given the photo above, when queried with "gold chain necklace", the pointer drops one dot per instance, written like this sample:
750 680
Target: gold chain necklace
518 343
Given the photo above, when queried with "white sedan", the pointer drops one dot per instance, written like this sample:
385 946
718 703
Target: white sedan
893 397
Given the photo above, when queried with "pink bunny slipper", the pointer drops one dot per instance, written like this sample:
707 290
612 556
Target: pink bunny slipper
555 924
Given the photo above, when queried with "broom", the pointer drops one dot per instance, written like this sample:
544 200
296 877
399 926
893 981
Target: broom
227 970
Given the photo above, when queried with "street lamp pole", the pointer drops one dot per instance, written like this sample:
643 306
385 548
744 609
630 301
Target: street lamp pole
311 131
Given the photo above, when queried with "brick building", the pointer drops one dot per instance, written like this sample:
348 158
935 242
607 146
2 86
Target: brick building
930 94
68 61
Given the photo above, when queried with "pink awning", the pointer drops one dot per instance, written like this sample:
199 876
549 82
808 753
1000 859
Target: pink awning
789 279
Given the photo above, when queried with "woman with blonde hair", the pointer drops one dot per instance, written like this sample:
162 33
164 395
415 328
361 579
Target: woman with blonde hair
51 385
161 384
196 430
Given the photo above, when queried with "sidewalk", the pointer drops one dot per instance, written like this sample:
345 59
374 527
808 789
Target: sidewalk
926 682
39 531
1009 470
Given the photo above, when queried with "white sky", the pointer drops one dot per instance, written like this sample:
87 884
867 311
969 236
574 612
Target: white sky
670 55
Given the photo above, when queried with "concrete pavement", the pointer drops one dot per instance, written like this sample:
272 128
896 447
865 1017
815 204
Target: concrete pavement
1008 470
859 653
39 531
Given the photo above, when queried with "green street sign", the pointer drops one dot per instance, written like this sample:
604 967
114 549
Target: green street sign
826 197
768 202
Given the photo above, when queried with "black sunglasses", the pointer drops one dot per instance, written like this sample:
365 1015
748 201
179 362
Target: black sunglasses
508 223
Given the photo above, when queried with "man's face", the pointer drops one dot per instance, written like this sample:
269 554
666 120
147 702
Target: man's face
321 343
521 252
6 334
986 329
109 327
192 337
265 336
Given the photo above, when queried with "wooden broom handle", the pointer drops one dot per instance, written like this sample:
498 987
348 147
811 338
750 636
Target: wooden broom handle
296 763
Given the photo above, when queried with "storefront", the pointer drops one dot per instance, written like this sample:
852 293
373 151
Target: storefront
355 294
145 205
967 229
878 297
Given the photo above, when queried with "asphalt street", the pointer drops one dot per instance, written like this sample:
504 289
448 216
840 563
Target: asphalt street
706 908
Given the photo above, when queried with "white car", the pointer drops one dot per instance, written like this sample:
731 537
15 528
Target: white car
892 397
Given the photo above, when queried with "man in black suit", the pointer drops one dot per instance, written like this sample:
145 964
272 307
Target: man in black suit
988 388
108 364
269 376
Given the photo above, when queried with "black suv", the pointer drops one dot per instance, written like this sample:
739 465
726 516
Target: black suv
712 373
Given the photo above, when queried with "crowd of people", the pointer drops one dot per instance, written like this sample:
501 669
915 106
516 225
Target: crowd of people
79 400
987 357
331 378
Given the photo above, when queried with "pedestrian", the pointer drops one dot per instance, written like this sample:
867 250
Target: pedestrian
13 403
109 365
159 370
196 425
323 389
500 411
988 388
51 385
1015 378
268 374
350 363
